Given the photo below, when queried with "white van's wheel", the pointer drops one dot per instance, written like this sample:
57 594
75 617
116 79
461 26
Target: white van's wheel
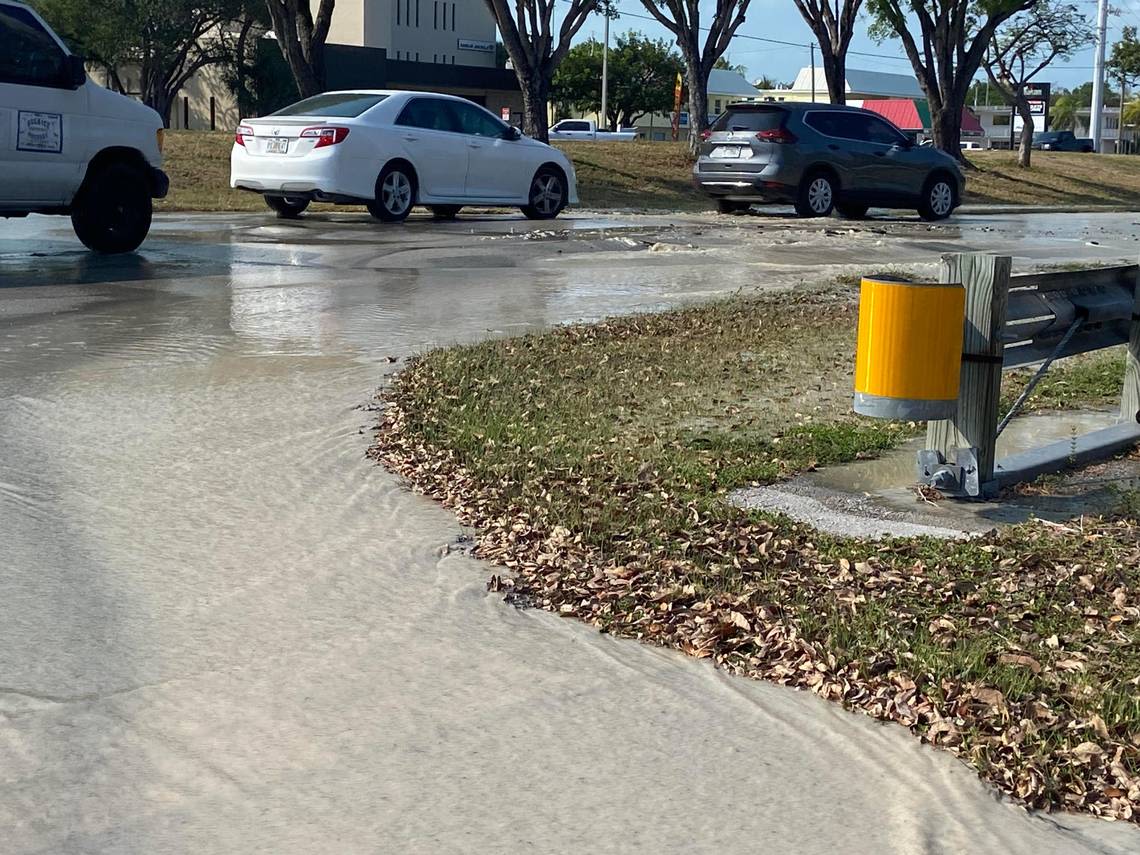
113 210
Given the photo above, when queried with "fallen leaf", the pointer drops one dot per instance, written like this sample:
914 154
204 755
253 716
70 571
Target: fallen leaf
1020 660
1086 751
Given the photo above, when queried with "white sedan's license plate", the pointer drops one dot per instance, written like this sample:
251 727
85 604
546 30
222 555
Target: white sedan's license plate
727 151
276 146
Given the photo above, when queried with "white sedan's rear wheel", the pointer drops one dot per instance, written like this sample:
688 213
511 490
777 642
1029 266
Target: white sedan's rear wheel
287 207
395 194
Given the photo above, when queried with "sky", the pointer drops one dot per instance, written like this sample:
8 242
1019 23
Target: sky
779 20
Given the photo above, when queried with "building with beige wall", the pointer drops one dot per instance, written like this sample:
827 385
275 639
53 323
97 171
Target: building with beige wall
451 32
374 44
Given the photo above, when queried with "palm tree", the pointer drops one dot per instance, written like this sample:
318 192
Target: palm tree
1132 112
1063 114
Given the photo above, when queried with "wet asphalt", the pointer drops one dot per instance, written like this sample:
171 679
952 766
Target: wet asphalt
223 630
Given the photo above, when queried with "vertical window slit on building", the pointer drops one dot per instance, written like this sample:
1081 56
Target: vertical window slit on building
417 15
397 12
452 18
435 15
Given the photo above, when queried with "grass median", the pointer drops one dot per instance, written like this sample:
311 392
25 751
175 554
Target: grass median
655 176
594 461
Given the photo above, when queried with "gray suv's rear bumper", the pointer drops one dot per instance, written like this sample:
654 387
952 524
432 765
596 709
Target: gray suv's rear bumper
743 185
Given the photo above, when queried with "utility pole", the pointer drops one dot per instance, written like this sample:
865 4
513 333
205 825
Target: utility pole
605 70
1120 118
812 46
1095 119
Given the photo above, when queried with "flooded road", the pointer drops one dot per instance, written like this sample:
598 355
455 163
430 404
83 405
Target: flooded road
222 630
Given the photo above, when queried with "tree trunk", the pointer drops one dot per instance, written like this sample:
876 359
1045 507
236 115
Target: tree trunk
835 71
161 103
306 62
1025 145
947 129
308 84
534 95
698 83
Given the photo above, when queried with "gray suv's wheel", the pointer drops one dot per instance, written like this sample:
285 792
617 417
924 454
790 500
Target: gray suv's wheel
112 212
395 194
726 206
938 198
851 210
817 195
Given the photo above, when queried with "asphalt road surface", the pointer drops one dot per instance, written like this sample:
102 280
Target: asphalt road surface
223 630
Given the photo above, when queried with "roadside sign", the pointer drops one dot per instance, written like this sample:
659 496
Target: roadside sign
505 113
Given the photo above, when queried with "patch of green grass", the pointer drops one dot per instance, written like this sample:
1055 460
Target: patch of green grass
1091 380
595 459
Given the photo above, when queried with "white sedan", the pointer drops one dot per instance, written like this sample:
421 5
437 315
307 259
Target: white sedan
392 150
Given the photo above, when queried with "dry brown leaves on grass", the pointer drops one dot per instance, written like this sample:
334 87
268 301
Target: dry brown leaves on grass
1017 652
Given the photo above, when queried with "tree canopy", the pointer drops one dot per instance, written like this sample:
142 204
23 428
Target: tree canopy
642 73
945 41
1024 46
701 47
166 40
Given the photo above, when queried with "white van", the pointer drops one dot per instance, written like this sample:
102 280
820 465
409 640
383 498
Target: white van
69 146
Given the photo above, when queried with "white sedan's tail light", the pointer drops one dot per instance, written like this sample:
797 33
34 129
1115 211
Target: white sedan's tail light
325 135
242 132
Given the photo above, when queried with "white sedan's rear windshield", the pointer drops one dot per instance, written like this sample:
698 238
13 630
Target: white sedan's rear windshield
342 105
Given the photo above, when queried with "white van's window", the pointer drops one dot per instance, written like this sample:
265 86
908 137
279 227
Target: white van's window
30 56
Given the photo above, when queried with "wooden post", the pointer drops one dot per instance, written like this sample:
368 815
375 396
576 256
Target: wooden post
986 280
1130 398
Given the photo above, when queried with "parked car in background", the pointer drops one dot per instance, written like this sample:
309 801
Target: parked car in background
1061 141
392 150
822 157
972 145
586 129
69 146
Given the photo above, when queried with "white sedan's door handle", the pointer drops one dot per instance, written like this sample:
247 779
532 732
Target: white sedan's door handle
474 145
411 138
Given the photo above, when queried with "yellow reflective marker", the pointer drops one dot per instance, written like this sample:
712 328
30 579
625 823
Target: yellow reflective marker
909 355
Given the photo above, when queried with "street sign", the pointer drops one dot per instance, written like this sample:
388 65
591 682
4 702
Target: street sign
1038 96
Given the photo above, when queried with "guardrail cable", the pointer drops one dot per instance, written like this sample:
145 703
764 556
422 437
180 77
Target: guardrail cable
1036 378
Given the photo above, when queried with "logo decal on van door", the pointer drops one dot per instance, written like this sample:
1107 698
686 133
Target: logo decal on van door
39 132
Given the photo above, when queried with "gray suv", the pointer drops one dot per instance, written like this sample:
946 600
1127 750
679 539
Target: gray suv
820 157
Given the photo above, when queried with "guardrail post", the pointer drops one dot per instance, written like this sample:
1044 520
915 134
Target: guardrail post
1130 398
986 280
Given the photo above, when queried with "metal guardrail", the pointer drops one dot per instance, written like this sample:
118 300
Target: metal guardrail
1019 321
1043 306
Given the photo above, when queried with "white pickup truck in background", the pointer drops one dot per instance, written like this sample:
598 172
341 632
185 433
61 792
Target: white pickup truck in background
587 129
67 145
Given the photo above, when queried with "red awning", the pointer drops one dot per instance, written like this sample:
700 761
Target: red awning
914 115
903 113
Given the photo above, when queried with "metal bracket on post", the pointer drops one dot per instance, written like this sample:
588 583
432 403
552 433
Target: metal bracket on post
954 479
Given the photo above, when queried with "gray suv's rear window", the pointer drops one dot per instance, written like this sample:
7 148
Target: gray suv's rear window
341 105
750 120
